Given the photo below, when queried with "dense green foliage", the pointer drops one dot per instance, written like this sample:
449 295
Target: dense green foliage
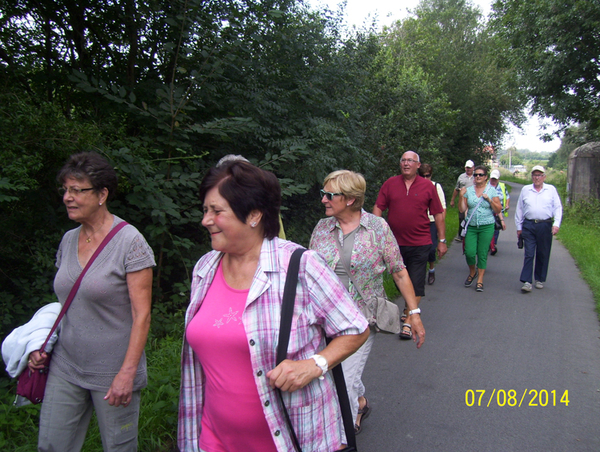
450 43
164 89
554 46
158 410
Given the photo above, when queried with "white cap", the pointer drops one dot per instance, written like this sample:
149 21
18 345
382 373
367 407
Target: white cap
495 174
538 168
469 164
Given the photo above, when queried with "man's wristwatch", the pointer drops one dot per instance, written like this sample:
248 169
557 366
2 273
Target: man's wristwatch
322 364
414 311
442 240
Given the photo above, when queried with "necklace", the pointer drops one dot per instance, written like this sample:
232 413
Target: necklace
89 237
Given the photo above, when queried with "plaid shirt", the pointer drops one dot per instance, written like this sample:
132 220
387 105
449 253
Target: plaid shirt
375 251
323 307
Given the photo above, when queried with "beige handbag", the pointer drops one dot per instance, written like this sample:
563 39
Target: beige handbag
378 311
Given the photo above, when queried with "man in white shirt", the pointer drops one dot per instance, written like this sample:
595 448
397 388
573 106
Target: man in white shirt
537 218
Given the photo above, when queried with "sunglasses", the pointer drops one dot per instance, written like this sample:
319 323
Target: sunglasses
427 175
329 195
479 175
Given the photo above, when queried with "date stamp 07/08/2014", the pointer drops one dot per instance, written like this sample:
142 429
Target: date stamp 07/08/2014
510 397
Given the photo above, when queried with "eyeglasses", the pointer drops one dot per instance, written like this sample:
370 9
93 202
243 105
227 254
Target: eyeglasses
538 175
479 174
329 194
408 161
73 191
426 175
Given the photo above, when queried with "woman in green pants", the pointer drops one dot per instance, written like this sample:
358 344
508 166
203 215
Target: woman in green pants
482 202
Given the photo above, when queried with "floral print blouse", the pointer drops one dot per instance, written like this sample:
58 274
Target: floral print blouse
375 251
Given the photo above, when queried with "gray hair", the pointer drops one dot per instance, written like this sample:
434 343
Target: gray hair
418 158
231 158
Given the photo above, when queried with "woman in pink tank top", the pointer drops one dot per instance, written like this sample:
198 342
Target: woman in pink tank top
228 401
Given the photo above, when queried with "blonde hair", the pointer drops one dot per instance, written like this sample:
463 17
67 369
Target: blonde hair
350 184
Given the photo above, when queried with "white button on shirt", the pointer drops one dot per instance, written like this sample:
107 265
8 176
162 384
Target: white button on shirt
542 205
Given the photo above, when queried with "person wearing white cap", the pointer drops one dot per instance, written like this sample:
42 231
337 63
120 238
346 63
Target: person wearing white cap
505 201
537 218
464 180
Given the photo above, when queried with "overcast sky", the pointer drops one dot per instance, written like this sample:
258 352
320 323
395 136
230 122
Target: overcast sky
388 11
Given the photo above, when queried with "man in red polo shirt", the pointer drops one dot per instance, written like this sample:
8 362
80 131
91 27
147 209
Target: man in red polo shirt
408 197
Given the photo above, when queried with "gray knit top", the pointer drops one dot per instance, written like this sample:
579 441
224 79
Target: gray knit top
94 333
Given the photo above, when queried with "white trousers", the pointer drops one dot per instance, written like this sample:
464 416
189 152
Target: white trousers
353 368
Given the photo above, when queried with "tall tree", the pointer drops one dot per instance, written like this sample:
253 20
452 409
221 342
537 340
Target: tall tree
554 47
449 41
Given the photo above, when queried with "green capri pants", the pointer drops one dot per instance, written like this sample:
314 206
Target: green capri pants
477 244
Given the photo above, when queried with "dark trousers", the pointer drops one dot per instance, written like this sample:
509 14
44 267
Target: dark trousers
537 241
434 242
415 259
495 239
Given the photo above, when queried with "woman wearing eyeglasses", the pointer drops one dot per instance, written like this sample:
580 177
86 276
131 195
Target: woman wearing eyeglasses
483 203
359 241
98 363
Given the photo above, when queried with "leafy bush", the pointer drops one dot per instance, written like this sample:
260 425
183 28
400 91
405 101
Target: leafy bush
158 411
18 426
584 213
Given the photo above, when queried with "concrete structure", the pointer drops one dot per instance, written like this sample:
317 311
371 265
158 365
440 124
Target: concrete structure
583 180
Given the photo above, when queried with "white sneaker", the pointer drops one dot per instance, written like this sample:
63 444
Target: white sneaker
539 285
526 287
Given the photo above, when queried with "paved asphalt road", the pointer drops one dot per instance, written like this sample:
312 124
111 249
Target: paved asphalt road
539 344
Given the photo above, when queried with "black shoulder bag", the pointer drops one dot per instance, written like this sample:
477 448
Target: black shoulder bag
287 311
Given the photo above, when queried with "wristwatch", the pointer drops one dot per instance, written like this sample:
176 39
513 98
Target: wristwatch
414 311
322 364
442 240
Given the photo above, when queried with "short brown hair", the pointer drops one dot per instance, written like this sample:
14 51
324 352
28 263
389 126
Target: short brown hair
481 167
246 188
91 166
425 168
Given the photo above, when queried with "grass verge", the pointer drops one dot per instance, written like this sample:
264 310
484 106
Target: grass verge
580 228
158 411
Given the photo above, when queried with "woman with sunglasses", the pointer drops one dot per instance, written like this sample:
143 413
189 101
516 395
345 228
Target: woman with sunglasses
482 202
353 239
